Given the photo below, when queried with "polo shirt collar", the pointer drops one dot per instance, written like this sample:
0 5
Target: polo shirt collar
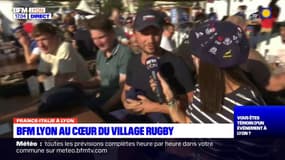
116 49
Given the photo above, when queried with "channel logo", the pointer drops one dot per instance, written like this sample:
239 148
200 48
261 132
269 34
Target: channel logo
40 16
31 13
265 13
20 16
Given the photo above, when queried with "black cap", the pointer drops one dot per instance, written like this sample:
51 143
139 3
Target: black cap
147 18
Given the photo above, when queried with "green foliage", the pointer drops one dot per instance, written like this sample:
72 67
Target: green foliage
108 5
74 4
48 3
144 4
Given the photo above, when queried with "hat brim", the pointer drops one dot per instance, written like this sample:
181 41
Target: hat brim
146 25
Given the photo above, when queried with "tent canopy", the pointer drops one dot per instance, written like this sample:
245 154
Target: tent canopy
84 7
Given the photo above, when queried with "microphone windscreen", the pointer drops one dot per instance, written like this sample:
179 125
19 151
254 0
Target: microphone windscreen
152 63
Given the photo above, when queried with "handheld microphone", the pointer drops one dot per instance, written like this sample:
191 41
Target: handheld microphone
153 66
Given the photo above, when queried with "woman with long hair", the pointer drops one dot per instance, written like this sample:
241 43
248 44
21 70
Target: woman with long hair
218 49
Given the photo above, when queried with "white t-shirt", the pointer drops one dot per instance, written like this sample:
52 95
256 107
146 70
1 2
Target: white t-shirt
179 36
275 48
66 60
167 44
1 27
36 51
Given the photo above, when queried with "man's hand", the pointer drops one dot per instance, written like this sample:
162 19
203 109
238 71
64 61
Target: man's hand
146 104
24 41
133 106
141 106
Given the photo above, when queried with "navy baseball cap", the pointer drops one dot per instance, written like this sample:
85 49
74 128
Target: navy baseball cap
222 44
147 18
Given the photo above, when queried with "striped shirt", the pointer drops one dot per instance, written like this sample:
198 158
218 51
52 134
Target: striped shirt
240 97
229 149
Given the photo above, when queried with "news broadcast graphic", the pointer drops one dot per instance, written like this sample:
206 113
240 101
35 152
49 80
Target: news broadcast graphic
31 13
259 121
265 13
68 128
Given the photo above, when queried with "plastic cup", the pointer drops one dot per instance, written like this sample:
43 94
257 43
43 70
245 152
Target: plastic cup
49 83
34 87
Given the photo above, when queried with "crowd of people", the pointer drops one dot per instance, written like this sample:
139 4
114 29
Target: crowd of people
201 80
214 68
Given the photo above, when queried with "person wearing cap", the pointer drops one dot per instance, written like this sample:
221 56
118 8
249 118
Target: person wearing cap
147 31
111 65
219 48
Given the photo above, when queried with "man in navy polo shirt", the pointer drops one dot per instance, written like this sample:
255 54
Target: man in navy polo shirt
147 31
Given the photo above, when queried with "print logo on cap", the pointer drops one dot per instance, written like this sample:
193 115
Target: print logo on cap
239 29
213 36
199 34
227 41
220 38
265 13
239 34
213 50
148 18
210 30
218 42
228 54
235 37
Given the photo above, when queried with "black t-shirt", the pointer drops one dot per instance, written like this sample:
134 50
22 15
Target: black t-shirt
171 67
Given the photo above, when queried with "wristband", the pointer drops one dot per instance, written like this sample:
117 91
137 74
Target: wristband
172 102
